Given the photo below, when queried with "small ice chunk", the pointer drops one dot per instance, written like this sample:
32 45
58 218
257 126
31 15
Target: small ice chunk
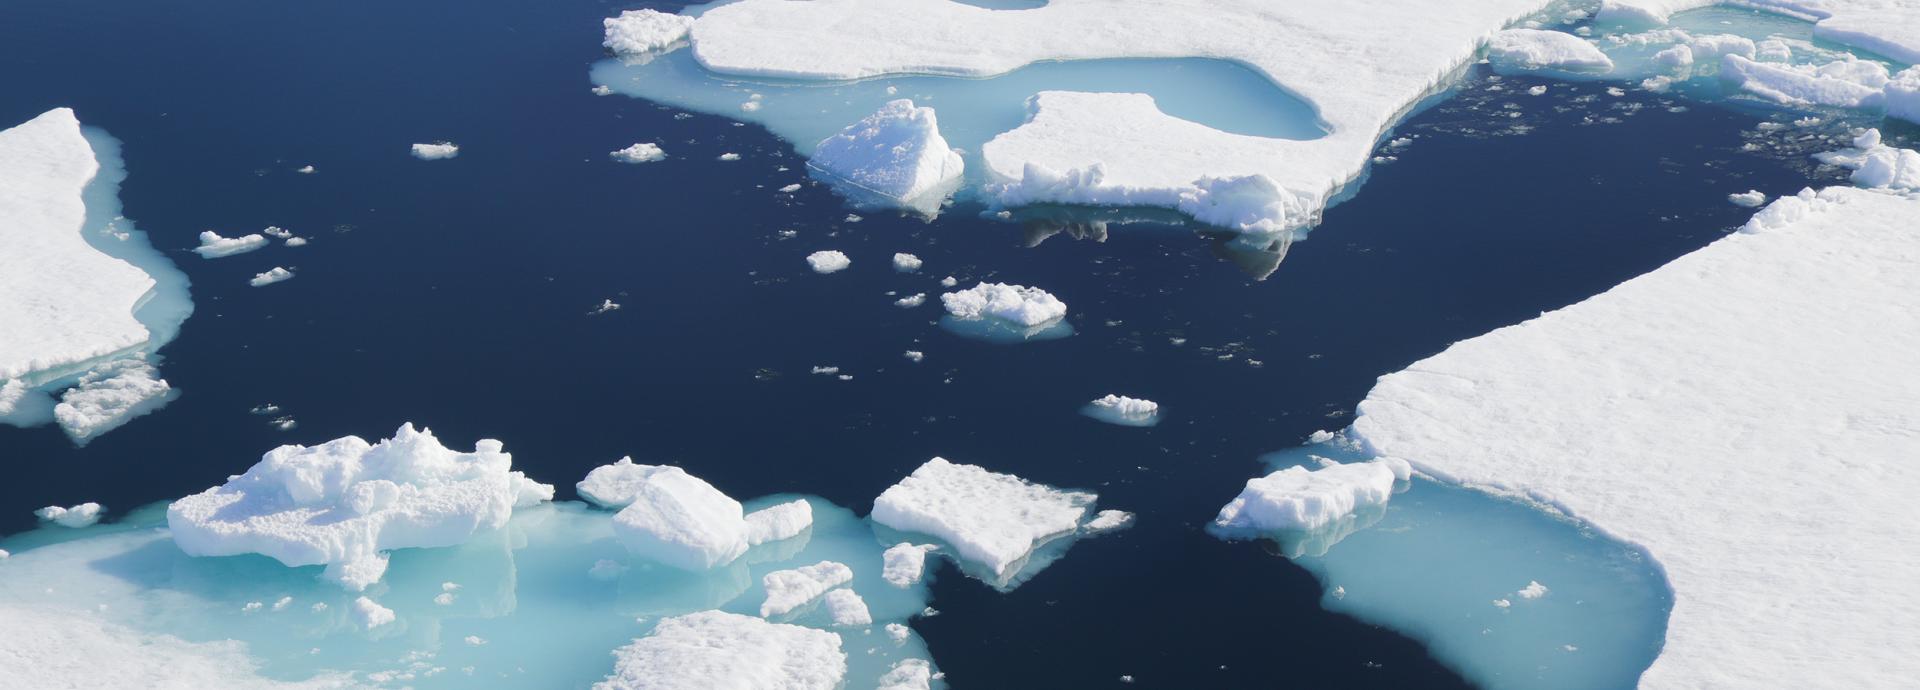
296 241
1107 521
949 281
346 503
1750 198
789 189
908 674
1019 304
914 355
729 157
1297 498
790 589
989 518
602 90
775 523
906 263
679 520
1533 590
270 231
282 603
474 640
903 564
898 633
640 153
1533 49
846 609
1537 90
436 151
828 261
213 246
911 301
305 170
82 515
716 649
896 152
1124 411
1902 95
109 396
638 32
370 614
605 306
276 274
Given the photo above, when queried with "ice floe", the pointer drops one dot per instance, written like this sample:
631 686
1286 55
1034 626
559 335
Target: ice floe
1846 83
777 522
1016 304
370 614
1527 50
680 520
790 589
906 263
1752 198
911 301
1887 27
1123 411
994 520
108 396
896 153
828 261
346 503
436 151
1108 521
49 648
615 485
277 274
908 674
1795 408
71 516
716 649
1304 500
637 32
1877 165
213 246
640 153
846 609
903 564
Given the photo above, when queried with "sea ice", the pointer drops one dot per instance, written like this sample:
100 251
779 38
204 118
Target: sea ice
435 151
1300 499
896 152
777 522
790 589
1108 520
1887 27
1528 50
108 396
57 649
846 609
903 564
906 263
715 649
1751 198
76 516
640 153
1847 83
911 301
908 674
370 614
1877 165
1124 411
616 485
346 503
213 246
1902 95
995 520
1743 339
637 32
828 261
1018 304
679 520
277 274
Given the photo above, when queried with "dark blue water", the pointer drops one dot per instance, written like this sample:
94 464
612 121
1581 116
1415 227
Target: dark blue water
454 294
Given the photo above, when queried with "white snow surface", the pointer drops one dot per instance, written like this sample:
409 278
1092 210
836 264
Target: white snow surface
896 152
213 246
345 503
49 648
66 302
992 519
640 153
680 520
108 396
436 151
1887 27
1019 304
1298 498
615 485
637 32
1757 396
277 274
904 564
1878 165
790 589
846 609
777 522
828 261
82 515
715 650
1361 64
1533 49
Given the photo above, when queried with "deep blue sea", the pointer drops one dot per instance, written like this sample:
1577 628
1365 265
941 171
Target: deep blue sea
455 294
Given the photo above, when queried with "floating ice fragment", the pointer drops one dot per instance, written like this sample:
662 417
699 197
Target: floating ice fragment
638 32
370 614
995 520
435 151
615 485
846 609
605 306
1531 50
790 589
640 153
270 231
949 281
1107 521
1902 95
82 515
305 170
1123 411
903 564
825 370
345 503
1877 165
296 242
1846 83
911 301
1537 90
474 640
914 355
282 603
898 633
729 157
275 275
715 649
1533 590
213 246
908 674
677 519
783 521
789 189
1017 304
906 263
1750 198
109 396
828 261
1297 498
896 152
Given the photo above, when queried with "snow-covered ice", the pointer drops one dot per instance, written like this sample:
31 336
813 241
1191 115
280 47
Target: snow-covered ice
109 396
992 519
277 274
1123 411
777 522
1784 348
680 520
903 564
435 151
1302 499
897 153
615 485
828 261
48 648
906 263
1877 165
1529 50
640 153
369 614
346 503
790 589
908 674
1108 520
1017 304
71 516
637 32
911 301
715 649
1751 198
846 609
213 246
1887 27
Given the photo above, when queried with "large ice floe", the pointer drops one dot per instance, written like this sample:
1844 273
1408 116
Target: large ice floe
1746 414
87 299
992 521
346 503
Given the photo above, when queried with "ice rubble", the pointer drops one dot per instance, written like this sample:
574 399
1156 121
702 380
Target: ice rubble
213 246
1887 27
992 519
828 261
1124 151
72 516
1800 420
108 396
1300 499
1017 304
435 151
640 153
790 589
1534 49
1878 165
637 32
897 152
1124 411
715 649
1846 83
346 503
